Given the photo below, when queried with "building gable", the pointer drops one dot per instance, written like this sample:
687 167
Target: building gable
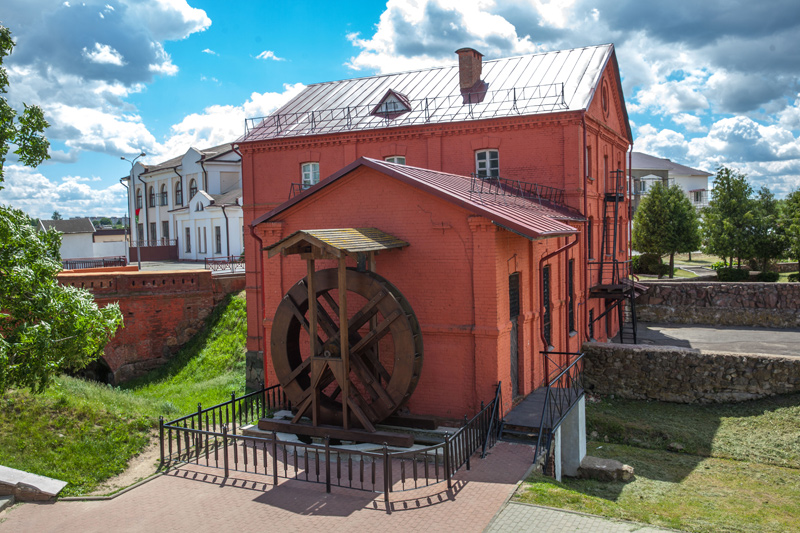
607 104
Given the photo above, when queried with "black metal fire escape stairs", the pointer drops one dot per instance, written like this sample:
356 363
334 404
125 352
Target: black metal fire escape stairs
611 279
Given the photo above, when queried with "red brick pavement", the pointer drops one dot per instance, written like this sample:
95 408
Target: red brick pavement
197 499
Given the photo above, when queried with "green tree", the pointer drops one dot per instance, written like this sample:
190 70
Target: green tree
790 220
666 223
45 327
56 216
725 221
767 238
105 221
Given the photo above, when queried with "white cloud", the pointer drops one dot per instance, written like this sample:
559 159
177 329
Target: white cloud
210 52
31 191
690 122
269 54
103 53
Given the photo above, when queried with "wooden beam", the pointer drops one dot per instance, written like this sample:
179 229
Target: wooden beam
402 440
344 342
312 337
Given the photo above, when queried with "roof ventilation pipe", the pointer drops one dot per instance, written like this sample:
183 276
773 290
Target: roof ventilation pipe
470 62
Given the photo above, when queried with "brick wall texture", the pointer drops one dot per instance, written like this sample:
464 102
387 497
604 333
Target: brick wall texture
161 311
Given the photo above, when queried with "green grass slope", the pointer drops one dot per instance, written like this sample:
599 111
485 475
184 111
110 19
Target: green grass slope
84 432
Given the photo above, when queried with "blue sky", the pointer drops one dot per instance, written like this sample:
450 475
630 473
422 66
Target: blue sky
706 83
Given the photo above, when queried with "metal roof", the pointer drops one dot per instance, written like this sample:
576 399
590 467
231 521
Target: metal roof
348 240
206 154
73 225
525 216
642 161
549 82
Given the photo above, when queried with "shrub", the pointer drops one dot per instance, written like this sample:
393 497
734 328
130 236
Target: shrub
732 274
661 270
718 265
635 264
770 277
794 277
648 264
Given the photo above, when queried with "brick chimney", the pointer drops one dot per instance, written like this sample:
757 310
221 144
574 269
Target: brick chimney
469 67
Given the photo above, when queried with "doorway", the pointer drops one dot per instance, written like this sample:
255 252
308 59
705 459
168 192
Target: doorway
513 302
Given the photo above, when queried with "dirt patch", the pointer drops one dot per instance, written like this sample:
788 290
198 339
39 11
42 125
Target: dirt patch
139 467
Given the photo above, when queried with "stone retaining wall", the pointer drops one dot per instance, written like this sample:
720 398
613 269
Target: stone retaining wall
773 305
683 375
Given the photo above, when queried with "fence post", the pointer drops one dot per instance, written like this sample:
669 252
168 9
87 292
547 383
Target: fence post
327 463
161 437
233 411
263 399
225 448
469 441
447 460
275 458
387 485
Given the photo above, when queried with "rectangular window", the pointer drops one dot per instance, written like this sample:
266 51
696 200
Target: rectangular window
165 231
571 294
217 240
546 304
152 235
140 231
205 244
310 174
399 159
589 161
487 164
591 324
589 239
188 240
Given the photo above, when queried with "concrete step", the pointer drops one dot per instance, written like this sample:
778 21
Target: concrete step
25 486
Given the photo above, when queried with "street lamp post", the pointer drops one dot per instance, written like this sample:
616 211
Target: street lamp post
131 190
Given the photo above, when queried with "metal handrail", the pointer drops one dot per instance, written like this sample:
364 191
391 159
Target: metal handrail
495 419
559 409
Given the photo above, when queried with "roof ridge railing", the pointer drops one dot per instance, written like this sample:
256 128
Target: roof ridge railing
512 191
473 106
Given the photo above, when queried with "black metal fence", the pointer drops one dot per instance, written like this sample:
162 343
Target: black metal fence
228 262
100 262
210 438
563 392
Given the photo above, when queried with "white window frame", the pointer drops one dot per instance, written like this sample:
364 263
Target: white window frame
397 159
188 243
487 163
310 174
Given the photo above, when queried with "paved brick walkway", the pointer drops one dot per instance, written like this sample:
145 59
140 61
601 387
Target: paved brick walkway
521 517
196 499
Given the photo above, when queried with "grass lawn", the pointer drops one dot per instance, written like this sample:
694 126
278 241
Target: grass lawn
736 468
84 432
698 259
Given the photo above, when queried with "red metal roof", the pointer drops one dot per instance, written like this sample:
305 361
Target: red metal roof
529 218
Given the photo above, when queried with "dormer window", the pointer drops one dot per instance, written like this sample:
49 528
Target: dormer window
398 159
392 105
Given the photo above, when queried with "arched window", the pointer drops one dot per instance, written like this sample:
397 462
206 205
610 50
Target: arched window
192 189
179 193
163 195
310 172
487 163
138 198
152 197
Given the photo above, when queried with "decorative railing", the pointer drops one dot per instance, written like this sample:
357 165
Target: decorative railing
563 392
76 264
210 438
474 106
495 425
230 262
143 243
505 190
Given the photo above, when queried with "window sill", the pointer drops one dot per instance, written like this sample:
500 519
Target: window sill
572 334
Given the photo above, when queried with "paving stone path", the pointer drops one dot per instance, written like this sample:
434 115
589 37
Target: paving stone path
197 499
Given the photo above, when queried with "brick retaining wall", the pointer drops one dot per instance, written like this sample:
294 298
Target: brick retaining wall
723 304
684 375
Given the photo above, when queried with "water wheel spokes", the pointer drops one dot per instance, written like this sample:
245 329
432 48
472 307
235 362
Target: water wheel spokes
384 340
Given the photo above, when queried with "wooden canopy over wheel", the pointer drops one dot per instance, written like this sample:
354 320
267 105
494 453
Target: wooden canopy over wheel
353 379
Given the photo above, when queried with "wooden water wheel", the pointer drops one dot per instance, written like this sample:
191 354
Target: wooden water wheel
353 380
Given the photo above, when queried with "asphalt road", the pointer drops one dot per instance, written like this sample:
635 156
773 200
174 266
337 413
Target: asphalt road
722 338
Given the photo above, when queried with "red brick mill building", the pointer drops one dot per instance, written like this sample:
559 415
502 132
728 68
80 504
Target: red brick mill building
502 186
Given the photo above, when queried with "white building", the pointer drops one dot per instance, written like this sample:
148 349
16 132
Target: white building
189 207
647 169
77 240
